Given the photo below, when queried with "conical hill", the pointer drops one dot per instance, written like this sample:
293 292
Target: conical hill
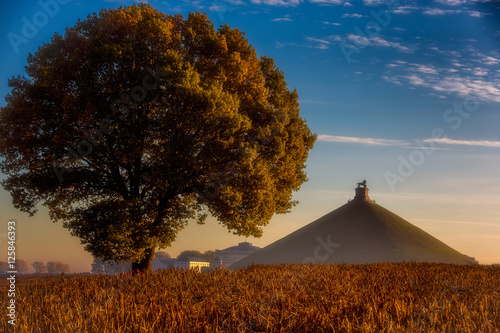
360 231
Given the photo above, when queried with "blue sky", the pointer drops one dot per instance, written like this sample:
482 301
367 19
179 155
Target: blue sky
405 94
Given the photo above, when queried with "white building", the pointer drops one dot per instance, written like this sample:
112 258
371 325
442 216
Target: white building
190 262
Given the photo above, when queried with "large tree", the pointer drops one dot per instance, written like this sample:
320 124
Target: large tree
135 122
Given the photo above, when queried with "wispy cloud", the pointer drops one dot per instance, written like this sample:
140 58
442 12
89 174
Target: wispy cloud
364 141
427 69
487 60
476 86
355 40
404 10
459 2
322 41
448 53
451 2
331 23
407 143
472 78
374 2
377 41
480 71
329 2
478 143
347 15
318 43
475 13
439 11
282 19
277 2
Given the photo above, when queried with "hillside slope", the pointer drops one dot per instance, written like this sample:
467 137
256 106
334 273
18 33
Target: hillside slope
357 232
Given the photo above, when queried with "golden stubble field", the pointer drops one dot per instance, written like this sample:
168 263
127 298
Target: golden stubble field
406 297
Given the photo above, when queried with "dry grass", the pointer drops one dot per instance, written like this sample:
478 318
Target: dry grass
288 298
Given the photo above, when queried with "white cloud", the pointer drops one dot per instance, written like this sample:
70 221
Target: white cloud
377 42
311 39
364 141
328 2
277 2
331 23
412 67
312 42
282 19
448 53
480 71
462 79
415 80
352 15
475 13
464 86
359 40
451 2
318 43
403 10
457 64
407 143
321 47
375 2
488 60
439 11
479 143
426 69
335 38
459 2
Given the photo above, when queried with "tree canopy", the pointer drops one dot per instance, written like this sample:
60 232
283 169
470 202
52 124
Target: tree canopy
136 122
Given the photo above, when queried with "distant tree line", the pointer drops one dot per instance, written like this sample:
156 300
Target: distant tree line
51 267
22 267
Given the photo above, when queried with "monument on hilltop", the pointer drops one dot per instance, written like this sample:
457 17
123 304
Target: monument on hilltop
361 192
359 232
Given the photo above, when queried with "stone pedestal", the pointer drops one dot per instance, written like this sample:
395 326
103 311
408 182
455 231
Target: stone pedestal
362 194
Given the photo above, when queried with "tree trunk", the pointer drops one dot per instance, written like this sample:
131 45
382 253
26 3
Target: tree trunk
146 264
